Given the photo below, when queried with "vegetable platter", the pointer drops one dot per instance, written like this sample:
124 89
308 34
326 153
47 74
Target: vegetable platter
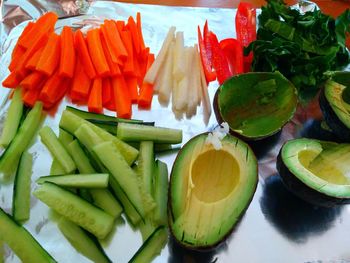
277 226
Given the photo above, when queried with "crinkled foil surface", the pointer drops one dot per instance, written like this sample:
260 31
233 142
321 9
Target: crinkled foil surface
277 227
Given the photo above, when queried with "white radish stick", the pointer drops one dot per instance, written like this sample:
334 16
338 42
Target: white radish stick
205 95
178 113
179 62
181 100
157 64
192 89
167 78
198 82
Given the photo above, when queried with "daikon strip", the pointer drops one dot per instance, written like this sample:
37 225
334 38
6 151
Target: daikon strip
179 62
166 82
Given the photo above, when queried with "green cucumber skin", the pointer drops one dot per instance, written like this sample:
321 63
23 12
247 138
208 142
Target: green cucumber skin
160 192
77 180
58 151
151 247
84 243
24 136
22 243
135 132
81 160
76 209
13 119
146 164
56 168
21 188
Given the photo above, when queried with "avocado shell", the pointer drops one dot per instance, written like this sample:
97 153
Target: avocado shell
218 244
294 185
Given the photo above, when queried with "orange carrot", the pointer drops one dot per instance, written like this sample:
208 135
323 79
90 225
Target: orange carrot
67 61
134 34
12 81
107 95
33 61
45 24
96 51
51 88
129 63
33 80
114 42
17 54
122 98
50 56
81 84
29 97
146 95
139 30
144 63
113 66
95 97
65 84
131 83
120 25
83 54
25 32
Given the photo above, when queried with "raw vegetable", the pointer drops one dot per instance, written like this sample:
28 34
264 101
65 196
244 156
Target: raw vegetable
68 57
21 188
21 241
77 180
302 46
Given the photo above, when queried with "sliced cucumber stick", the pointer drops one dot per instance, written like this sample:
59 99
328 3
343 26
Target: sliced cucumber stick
77 180
21 241
125 176
25 134
82 241
56 168
151 247
13 119
57 150
75 209
21 189
81 160
145 166
160 192
104 199
135 132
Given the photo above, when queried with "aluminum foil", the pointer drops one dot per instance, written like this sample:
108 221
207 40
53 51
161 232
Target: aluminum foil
277 227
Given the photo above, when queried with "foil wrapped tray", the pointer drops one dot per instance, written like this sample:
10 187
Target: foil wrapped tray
277 226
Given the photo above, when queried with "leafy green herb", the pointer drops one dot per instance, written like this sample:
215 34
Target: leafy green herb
302 46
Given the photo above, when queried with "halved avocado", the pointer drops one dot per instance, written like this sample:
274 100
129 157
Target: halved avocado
316 171
256 105
335 104
210 190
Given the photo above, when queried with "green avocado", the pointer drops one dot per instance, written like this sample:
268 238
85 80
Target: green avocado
210 190
335 104
316 171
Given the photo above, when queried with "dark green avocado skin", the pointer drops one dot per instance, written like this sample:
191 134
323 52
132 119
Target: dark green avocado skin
337 126
298 188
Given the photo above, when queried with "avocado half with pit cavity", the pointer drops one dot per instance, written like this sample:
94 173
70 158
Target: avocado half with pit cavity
210 190
316 171
256 105
335 104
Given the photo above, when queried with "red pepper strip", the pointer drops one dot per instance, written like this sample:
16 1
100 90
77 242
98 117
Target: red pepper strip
206 61
246 29
234 54
219 59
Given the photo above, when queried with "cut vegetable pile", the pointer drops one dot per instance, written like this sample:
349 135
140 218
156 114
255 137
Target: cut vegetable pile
104 69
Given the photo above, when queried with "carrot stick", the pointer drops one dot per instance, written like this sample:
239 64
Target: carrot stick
83 54
131 83
120 25
67 61
81 84
143 62
30 97
96 51
134 34
107 95
51 88
12 81
129 63
122 97
95 97
146 96
114 42
65 84
24 34
33 61
113 66
139 30
33 80
17 54
50 56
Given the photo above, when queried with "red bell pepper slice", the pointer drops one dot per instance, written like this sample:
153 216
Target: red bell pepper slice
246 29
206 60
233 50
219 59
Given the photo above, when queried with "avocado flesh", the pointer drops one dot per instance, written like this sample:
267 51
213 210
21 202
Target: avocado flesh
210 190
322 166
338 98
